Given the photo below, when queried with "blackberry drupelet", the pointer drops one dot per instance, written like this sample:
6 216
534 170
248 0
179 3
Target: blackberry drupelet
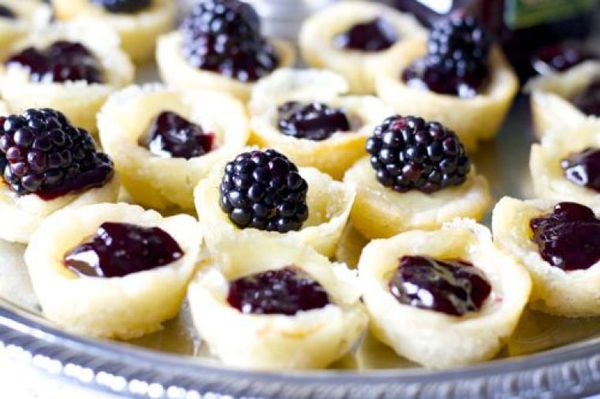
409 153
224 36
42 153
313 121
123 6
263 190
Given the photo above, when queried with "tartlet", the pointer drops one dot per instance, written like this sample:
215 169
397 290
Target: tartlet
29 15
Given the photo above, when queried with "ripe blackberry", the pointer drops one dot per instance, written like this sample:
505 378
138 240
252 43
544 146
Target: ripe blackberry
224 36
123 6
408 153
263 189
42 153
314 121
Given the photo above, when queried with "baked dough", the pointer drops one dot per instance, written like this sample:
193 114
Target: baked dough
333 155
117 307
15 284
381 212
163 183
308 339
31 15
431 338
359 68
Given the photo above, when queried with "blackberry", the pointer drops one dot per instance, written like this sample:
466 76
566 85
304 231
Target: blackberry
123 6
409 153
42 153
6 12
224 36
314 121
263 190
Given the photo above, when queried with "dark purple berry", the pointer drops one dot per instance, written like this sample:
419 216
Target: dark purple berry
372 36
284 291
263 190
569 237
6 12
313 121
408 153
583 168
588 100
123 6
453 287
119 249
42 153
559 58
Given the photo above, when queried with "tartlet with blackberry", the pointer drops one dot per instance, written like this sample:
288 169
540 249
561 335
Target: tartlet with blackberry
417 175
444 298
261 194
276 304
351 37
112 270
220 46
307 115
19 17
48 164
72 67
163 141
457 77
138 22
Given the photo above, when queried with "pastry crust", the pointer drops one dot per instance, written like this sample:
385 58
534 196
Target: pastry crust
333 155
359 68
167 183
381 212
177 72
15 284
117 307
431 338
31 15
551 108
329 203
547 174
472 119
79 101
308 339
555 291
138 31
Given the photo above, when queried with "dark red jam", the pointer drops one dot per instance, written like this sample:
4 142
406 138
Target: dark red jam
284 291
560 57
372 36
313 121
61 62
119 249
569 237
172 136
453 287
6 12
583 168
588 100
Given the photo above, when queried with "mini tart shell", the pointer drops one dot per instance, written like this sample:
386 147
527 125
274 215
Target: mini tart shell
551 107
555 291
15 284
175 70
546 173
308 339
381 212
333 155
31 15
164 183
359 68
138 31
23 215
117 307
472 119
431 338
79 101
329 203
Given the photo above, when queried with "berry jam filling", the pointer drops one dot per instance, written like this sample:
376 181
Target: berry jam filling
61 62
123 6
224 36
583 168
263 190
457 59
569 237
172 136
285 291
588 100
453 287
372 36
314 121
408 153
559 58
42 153
119 249
6 12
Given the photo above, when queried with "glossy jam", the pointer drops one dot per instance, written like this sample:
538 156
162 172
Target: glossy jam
313 121
569 237
588 100
6 12
284 291
172 136
583 168
123 6
372 36
560 57
119 249
453 287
